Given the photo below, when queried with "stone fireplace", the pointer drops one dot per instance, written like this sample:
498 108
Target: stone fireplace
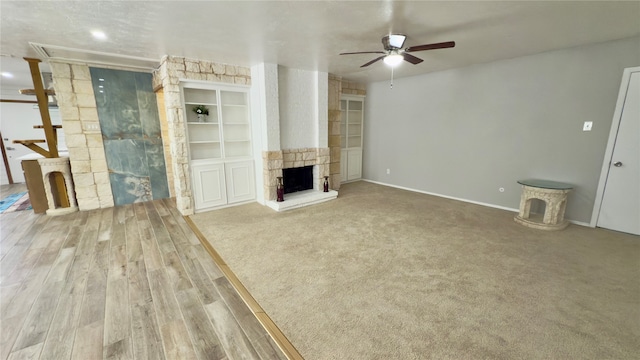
277 161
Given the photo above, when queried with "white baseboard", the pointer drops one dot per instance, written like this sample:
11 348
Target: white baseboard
464 200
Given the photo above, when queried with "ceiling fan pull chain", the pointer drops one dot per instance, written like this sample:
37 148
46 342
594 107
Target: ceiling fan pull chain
391 85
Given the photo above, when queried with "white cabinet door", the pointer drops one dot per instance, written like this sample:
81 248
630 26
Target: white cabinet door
354 164
209 185
240 181
343 164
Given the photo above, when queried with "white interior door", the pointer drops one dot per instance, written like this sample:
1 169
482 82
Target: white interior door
620 208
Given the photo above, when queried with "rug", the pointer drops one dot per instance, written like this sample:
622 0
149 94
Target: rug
15 202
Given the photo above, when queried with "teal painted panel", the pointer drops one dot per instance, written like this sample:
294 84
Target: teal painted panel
130 125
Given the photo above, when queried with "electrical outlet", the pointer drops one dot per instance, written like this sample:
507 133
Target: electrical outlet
388 171
587 126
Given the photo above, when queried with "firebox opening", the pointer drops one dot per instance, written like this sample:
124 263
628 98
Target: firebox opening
297 179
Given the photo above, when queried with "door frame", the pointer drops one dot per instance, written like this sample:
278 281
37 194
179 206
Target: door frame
613 134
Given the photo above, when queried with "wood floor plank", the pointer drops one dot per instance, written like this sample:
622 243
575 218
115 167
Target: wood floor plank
36 325
118 262
162 237
201 281
31 352
74 236
191 237
117 328
177 343
106 222
88 342
147 342
177 274
164 298
205 341
80 218
23 268
59 341
139 292
94 300
10 329
14 255
152 256
121 350
161 208
117 229
255 332
61 265
232 337
132 234
26 294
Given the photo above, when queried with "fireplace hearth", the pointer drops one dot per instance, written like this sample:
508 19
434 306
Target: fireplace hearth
297 179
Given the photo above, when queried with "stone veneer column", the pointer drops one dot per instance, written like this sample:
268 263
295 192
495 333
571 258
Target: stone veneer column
164 134
173 69
77 104
335 88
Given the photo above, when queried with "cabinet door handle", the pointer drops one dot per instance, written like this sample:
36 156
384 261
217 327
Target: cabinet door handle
617 164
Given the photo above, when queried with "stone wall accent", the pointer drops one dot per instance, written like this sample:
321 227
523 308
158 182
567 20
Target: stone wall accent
275 161
173 69
164 133
335 116
77 105
353 88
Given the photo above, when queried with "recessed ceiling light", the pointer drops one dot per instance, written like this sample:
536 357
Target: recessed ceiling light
99 35
7 75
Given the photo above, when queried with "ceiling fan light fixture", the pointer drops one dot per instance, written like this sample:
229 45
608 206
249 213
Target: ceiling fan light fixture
396 41
393 60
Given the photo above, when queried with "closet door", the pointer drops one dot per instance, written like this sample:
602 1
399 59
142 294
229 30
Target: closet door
620 209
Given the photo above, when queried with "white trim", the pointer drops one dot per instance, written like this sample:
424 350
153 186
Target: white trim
613 133
463 200
117 61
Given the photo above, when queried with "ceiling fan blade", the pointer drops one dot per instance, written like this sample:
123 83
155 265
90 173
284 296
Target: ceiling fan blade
442 45
363 52
412 59
372 61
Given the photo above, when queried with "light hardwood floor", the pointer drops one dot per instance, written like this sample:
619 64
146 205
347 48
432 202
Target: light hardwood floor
129 282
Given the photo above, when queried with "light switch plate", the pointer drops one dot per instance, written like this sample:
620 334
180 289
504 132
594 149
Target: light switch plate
587 126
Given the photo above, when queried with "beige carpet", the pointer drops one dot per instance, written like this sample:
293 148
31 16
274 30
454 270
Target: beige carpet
382 273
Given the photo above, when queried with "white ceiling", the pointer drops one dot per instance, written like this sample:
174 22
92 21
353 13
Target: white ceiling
310 34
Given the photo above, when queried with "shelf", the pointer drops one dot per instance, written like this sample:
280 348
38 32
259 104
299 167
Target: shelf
204 142
199 103
201 123
235 105
236 141
235 123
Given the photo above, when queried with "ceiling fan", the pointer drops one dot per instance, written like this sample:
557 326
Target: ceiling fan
393 53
